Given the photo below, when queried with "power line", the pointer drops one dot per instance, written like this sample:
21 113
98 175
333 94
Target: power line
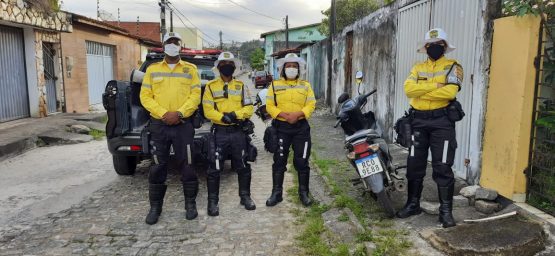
178 15
175 8
229 17
246 8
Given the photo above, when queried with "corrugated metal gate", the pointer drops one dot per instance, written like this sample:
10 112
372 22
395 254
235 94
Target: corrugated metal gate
49 77
100 69
14 99
459 18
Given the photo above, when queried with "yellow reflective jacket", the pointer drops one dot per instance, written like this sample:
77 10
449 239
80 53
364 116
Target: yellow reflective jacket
421 85
292 96
165 90
215 102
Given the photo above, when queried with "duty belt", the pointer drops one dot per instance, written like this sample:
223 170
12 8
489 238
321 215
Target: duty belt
160 122
429 113
226 128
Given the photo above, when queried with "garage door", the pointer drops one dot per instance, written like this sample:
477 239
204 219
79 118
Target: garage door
14 100
100 69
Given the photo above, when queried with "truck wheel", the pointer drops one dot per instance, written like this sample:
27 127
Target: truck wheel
125 165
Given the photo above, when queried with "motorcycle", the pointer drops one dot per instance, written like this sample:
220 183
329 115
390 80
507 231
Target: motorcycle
367 151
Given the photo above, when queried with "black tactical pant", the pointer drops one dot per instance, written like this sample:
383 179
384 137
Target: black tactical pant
230 141
180 137
298 136
438 135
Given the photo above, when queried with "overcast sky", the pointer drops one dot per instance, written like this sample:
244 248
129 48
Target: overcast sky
211 16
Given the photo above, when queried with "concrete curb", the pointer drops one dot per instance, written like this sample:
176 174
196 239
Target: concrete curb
323 180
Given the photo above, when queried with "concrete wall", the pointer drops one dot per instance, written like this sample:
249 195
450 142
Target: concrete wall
127 56
374 53
510 106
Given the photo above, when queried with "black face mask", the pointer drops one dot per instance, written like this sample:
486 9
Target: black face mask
435 51
226 70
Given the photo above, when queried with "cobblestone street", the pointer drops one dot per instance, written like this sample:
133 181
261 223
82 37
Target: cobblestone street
111 222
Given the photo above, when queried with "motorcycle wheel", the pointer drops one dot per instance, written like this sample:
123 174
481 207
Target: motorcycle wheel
385 203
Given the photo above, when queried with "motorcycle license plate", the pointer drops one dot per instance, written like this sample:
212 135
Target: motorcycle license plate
368 165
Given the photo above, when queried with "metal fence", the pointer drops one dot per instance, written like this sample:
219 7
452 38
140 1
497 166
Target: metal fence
541 173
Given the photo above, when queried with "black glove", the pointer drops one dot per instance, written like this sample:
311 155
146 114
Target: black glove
232 117
226 119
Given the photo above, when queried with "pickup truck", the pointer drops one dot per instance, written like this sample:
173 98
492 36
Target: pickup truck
262 79
127 118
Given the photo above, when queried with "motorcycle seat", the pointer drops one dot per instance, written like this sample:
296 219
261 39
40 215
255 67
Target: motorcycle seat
362 134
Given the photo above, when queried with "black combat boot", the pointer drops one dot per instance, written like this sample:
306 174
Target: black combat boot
412 207
190 191
244 177
446 206
277 188
213 185
156 193
304 178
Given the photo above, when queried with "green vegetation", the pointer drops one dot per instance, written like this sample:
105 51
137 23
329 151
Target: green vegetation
523 7
257 59
347 12
97 134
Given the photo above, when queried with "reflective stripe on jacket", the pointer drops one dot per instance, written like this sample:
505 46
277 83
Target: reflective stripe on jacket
166 90
292 96
421 85
215 102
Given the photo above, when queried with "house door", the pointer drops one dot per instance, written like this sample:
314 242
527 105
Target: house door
14 99
49 76
100 68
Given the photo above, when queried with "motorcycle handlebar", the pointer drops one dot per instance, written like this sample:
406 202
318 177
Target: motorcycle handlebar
370 93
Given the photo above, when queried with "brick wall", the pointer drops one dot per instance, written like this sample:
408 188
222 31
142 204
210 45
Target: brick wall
127 55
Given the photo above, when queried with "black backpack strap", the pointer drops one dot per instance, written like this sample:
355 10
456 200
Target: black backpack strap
274 89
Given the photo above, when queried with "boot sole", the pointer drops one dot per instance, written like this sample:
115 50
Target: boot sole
410 214
274 204
248 208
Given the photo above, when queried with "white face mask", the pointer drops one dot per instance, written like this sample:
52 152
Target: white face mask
291 73
172 49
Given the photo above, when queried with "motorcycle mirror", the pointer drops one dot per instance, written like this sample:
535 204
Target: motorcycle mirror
359 76
343 97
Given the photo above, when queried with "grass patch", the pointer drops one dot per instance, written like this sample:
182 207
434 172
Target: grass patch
97 134
366 236
389 241
104 119
343 217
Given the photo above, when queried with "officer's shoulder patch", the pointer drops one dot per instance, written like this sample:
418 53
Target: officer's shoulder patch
189 65
211 82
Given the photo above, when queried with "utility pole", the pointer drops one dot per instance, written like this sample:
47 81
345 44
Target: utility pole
330 51
162 17
287 32
171 20
221 41
137 29
118 17
98 9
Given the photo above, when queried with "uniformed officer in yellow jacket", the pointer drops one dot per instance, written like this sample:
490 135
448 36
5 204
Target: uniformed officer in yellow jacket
431 87
290 102
226 102
171 93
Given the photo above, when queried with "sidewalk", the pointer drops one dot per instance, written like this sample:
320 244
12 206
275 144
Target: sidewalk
421 234
21 135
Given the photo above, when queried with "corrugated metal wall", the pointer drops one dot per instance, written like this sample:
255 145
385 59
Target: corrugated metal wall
413 23
459 18
100 68
14 100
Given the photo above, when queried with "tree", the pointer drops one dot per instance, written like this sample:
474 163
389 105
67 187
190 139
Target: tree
247 48
257 59
45 5
347 12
